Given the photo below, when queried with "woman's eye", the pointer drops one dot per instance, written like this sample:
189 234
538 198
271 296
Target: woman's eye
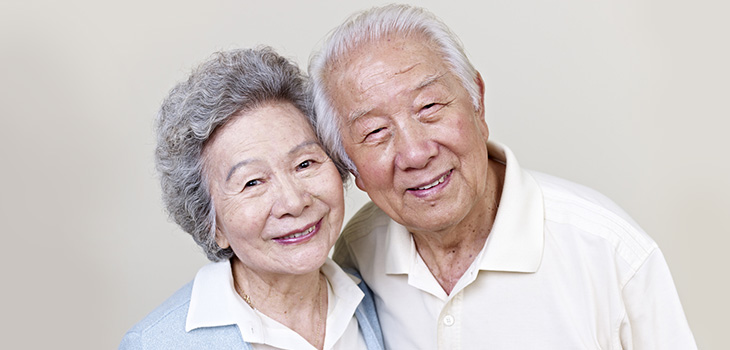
305 164
252 183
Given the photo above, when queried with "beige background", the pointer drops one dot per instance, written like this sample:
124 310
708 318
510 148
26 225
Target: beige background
627 96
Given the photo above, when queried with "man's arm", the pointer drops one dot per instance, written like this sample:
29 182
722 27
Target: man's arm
655 319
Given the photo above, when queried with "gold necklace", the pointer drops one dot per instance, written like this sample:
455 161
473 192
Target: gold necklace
321 310
243 295
321 303
320 307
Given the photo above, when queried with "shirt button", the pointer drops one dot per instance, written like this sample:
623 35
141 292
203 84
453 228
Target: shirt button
449 320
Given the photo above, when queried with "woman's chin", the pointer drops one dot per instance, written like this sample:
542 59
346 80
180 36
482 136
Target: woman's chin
299 262
308 265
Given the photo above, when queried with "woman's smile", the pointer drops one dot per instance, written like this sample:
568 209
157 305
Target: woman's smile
300 236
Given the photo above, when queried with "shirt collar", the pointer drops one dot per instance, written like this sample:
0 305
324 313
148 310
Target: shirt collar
515 243
516 240
214 302
342 303
401 250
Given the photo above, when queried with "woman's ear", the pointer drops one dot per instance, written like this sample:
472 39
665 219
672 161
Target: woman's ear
220 239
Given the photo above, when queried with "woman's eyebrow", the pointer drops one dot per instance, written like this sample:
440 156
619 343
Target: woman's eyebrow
237 166
244 162
304 144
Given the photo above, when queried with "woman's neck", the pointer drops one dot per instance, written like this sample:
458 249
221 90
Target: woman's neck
299 302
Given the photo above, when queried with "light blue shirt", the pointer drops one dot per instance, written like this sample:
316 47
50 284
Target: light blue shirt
165 327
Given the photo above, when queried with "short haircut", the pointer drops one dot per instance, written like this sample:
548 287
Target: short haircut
371 26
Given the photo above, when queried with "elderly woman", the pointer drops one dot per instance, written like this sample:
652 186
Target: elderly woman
243 172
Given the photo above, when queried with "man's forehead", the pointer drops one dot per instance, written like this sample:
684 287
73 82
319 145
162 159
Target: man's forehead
397 64
394 56
366 106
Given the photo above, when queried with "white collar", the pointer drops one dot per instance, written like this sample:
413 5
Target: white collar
214 302
515 243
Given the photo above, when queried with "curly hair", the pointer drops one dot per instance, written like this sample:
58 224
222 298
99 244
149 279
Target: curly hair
228 83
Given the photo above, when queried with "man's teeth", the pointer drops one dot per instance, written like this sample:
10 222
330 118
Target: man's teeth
306 232
440 180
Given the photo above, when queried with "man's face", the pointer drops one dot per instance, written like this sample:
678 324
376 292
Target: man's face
410 127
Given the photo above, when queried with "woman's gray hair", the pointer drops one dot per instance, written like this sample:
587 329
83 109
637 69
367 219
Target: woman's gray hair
367 27
228 83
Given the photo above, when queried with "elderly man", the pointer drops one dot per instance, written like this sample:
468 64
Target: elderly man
462 247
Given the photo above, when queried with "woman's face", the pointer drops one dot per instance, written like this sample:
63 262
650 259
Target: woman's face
278 197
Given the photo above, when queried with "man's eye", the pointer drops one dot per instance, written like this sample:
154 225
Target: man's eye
428 106
375 131
376 135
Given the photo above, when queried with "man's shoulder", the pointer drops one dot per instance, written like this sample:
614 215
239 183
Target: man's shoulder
362 238
564 197
591 214
556 189
368 219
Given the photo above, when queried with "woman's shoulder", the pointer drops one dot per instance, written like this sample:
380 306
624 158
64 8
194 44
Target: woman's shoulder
164 328
168 318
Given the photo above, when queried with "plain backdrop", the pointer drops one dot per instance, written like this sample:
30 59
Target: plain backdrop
626 96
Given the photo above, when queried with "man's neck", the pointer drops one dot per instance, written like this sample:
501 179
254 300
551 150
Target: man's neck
449 253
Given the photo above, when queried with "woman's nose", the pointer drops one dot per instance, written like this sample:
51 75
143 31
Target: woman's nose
292 198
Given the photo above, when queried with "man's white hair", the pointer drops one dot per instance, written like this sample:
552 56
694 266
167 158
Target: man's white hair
371 26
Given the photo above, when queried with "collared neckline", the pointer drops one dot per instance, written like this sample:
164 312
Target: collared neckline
517 238
214 302
516 241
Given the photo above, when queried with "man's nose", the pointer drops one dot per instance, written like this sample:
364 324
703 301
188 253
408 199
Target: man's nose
414 146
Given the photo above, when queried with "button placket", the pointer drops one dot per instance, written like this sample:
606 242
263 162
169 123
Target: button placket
448 320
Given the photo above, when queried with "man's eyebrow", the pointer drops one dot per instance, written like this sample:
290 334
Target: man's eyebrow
357 114
428 81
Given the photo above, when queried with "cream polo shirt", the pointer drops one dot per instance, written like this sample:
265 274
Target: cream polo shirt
214 302
563 268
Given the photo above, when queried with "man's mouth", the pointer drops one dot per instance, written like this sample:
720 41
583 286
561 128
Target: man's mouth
438 181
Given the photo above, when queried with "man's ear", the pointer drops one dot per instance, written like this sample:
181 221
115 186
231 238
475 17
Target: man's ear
480 84
481 121
358 180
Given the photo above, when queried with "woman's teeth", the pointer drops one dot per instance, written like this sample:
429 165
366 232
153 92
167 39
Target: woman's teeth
440 180
305 232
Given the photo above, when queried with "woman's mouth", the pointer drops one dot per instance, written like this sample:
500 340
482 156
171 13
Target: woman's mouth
300 236
297 235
